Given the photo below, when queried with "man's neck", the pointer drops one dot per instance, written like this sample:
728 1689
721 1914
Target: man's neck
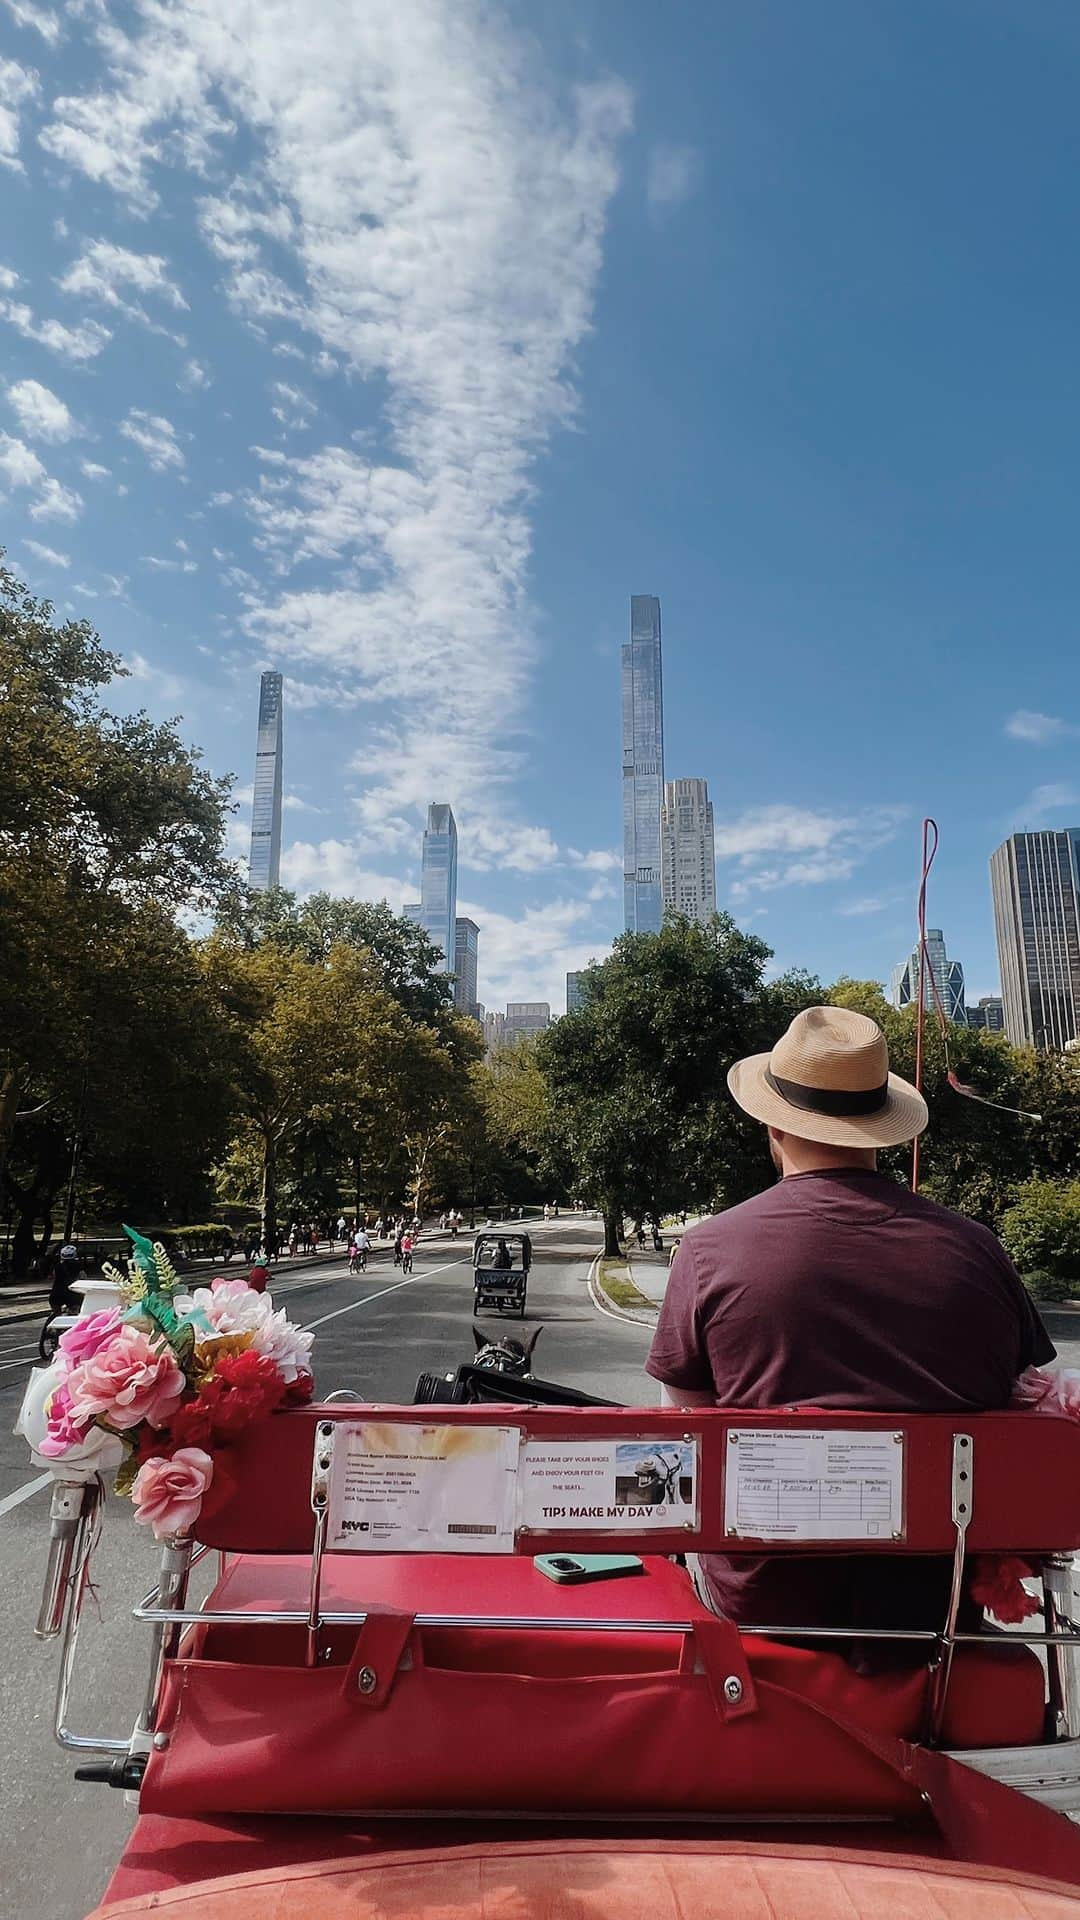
807 1156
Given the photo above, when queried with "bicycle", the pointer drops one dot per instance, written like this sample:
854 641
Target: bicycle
406 1261
358 1261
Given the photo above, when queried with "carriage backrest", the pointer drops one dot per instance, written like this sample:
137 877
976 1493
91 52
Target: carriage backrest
1012 1477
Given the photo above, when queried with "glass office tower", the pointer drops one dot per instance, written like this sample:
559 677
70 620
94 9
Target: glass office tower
643 767
1035 881
436 911
264 862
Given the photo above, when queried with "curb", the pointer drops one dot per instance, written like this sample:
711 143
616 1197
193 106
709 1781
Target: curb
604 1304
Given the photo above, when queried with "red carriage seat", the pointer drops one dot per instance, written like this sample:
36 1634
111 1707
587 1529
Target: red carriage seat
616 1714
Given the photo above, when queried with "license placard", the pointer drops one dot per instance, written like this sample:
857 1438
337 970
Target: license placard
422 1488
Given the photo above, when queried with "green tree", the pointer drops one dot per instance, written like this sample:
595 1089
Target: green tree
636 1075
99 816
405 962
1041 1233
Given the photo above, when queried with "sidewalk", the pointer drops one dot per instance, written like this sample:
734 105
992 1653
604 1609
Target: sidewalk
631 1288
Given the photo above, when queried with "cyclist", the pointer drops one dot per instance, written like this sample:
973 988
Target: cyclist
406 1251
63 1301
359 1250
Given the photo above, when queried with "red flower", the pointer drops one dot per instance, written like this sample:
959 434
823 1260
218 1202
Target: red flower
998 1587
244 1387
301 1391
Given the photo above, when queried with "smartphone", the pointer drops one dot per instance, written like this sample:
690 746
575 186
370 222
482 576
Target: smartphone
573 1569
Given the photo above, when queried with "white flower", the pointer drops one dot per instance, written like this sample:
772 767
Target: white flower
233 1307
289 1347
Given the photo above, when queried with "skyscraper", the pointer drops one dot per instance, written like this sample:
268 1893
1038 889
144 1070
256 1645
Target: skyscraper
1035 882
466 945
944 974
643 767
574 994
989 1014
264 863
687 849
436 910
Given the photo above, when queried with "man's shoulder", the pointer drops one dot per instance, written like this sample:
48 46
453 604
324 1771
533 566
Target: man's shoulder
946 1220
720 1228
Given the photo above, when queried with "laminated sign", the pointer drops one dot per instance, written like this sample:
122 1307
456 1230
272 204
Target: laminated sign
786 1483
608 1486
422 1488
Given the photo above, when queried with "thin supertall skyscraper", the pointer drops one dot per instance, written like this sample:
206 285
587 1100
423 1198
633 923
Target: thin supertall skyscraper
1035 881
643 767
436 909
264 862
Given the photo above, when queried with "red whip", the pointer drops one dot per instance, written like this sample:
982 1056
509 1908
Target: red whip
930 841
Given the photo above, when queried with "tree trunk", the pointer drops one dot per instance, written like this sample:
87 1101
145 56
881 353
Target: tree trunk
11 1086
612 1225
357 1169
268 1209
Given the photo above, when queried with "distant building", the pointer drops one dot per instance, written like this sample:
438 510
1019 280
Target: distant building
526 1018
436 910
643 767
494 1025
575 995
264 862
1035 882
466 944
687 849
944 974
989 1014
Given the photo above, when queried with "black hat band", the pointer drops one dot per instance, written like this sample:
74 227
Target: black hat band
839 1103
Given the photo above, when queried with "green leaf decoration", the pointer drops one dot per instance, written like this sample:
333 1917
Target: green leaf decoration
125 1474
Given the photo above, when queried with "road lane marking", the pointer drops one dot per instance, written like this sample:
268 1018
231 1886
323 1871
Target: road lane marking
23 1493
368 1299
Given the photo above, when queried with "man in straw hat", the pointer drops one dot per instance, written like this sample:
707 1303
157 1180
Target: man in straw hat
838 1287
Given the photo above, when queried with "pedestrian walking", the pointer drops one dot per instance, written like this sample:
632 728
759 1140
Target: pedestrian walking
398 1241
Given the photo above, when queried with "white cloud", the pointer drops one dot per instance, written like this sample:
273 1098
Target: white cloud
109 274
18 87
778 846
194 377
56 502
39 411
1038 729
675 173
92 470
855 909
78 344
20 467
155 436
417 200
158 682
291 407
1051 798
529 956
599 860
26 14
170 566
47 555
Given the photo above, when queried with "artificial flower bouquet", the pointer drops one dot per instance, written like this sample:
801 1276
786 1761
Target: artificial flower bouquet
173 1378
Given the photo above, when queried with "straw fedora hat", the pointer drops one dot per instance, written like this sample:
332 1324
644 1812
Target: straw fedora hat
828 1079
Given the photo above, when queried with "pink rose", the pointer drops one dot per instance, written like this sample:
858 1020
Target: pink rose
62 1431
130 1379
168 1494
91 1330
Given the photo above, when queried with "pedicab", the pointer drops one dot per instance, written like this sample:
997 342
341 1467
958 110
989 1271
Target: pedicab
384 1705
501 1263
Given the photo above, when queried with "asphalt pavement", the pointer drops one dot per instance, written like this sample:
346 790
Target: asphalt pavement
375 1334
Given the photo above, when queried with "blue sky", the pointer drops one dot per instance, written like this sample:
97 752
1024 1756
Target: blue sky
397 345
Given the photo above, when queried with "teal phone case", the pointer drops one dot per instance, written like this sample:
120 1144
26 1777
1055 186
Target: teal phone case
581 1567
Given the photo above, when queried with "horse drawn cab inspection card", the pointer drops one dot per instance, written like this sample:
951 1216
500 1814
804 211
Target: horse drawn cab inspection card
783 1483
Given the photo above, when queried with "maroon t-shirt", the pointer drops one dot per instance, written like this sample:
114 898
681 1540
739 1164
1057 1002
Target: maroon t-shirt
842 1290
